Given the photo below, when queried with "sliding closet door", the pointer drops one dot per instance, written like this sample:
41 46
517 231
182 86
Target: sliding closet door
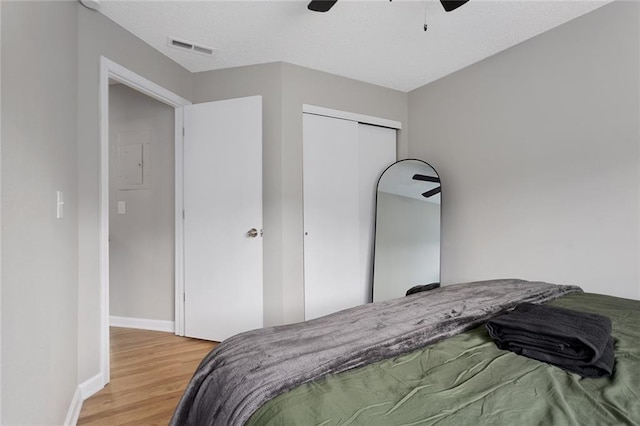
331 215
377 151
342 161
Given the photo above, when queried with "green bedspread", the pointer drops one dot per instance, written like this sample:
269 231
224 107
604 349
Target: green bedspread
467 380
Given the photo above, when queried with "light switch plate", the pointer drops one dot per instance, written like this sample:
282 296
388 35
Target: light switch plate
60 205
122 207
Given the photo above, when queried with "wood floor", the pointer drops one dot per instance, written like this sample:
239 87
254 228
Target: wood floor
149 372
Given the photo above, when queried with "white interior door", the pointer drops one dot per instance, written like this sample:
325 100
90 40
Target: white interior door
223 202
342 161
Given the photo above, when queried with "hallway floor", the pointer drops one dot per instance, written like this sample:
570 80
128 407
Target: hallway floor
149 372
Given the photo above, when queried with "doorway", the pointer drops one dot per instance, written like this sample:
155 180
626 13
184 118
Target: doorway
134 142
141 210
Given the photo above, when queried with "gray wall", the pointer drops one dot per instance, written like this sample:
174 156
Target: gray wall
0 212
100 36
285 88
39 260
141 241
537 148
407 245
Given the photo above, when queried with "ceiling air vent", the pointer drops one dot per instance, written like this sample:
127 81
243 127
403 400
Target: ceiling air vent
190 46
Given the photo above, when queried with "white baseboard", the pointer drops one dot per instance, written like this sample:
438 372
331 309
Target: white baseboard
74 409
143 324
83 391
91 386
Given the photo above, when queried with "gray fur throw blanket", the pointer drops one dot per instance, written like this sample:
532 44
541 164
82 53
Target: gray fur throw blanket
247 370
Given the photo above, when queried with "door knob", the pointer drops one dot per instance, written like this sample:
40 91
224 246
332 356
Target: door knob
252 233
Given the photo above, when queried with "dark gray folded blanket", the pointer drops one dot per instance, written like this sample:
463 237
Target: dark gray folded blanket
579 342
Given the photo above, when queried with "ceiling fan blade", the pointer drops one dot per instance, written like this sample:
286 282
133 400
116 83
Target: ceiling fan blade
431 193
426 178
450 5
321 5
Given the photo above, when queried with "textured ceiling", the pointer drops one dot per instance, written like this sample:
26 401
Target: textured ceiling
375 41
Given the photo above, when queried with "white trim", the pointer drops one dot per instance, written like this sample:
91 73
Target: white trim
179 222
111 70
351 116
142 323
74 409
84 390
90 386
142 85
104 221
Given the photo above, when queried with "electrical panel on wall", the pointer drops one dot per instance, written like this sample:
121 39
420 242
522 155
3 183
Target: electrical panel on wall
133 160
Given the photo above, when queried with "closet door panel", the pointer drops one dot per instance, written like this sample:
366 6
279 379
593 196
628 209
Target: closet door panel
377 151
331 215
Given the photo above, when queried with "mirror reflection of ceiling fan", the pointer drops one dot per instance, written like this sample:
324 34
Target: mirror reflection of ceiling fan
426 178
325 5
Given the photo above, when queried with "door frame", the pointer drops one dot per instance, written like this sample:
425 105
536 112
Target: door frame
114 71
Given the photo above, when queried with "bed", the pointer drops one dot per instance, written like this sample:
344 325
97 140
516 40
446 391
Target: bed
421 359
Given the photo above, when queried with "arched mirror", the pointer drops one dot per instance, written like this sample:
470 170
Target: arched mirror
407 239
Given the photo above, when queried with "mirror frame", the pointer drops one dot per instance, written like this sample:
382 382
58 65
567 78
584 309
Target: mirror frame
375 223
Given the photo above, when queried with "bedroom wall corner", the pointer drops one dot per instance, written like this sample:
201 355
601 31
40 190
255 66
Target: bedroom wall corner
99 36
540 160
637 16
39 260
285 88
1 418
